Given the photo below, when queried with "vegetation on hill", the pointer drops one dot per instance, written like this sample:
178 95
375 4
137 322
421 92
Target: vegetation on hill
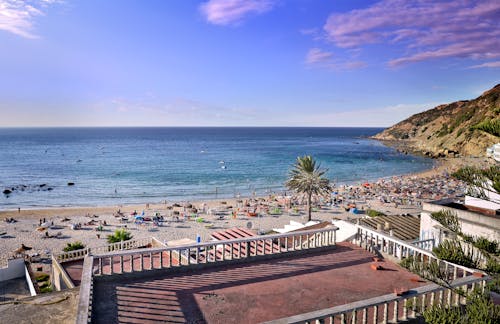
464 127
490 126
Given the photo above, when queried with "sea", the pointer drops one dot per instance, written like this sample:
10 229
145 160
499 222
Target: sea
109 166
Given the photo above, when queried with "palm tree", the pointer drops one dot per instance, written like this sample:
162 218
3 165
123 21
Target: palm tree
306 177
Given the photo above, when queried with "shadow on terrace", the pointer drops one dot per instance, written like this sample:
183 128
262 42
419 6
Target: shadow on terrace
248 292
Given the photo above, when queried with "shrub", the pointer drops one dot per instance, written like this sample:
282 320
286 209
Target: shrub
74 246
119 236
42 277
491 126
448 219
440 314
452 251
483 243
374 213
492 266
46 289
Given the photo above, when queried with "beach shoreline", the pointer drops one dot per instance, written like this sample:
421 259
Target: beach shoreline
183 224
447 165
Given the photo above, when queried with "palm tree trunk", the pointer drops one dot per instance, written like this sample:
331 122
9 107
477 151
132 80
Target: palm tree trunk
309 206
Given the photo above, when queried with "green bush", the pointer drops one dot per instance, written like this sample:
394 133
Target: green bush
483 243
442 315
119 236
492 266
452 251
491 126
46 289
448 219
42 277
374 213
479 309
74 246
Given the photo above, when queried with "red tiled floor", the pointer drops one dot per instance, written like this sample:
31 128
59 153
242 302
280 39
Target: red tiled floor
248 293
74 270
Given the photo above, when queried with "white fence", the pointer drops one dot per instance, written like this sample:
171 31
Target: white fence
191 255
392 308
124 245
211 252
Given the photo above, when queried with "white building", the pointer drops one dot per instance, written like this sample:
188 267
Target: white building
494 152
475 221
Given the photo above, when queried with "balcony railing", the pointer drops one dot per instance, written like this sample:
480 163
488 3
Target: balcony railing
392 308
389 308
124 245
212 252
121 262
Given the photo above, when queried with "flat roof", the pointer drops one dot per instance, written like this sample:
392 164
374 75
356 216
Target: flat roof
406 228
248 292
461 206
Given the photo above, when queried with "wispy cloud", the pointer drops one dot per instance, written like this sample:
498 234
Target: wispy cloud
486 65
228 12
427 29
147 110
317 55
18 16
373 117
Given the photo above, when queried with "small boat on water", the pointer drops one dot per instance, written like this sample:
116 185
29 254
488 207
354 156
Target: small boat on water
223 167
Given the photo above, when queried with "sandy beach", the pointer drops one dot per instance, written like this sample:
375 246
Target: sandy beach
394 196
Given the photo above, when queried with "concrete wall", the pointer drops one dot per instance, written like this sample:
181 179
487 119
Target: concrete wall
60 279
491 204
15 269
29 281
472 223
346 230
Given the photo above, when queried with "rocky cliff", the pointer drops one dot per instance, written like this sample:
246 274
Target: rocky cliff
464 127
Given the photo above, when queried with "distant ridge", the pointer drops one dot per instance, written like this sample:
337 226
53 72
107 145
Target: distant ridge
465 127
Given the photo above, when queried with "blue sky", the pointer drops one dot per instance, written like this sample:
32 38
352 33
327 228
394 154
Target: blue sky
241 62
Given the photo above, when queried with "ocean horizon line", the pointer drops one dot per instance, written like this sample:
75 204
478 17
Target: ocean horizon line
229 127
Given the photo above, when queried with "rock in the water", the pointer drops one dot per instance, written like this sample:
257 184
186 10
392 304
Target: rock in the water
71 183
7 191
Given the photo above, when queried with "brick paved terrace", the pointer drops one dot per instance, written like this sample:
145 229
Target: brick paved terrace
248 292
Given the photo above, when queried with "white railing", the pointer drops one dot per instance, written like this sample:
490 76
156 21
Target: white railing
124 245
373 241
390 308
211 252
58 274
393 308
191 255
427 244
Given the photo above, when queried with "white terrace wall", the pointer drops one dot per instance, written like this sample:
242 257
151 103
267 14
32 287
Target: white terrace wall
472 223
15 269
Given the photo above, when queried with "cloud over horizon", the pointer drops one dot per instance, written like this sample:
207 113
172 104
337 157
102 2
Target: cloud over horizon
486 65
18 16
426 29
228 12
